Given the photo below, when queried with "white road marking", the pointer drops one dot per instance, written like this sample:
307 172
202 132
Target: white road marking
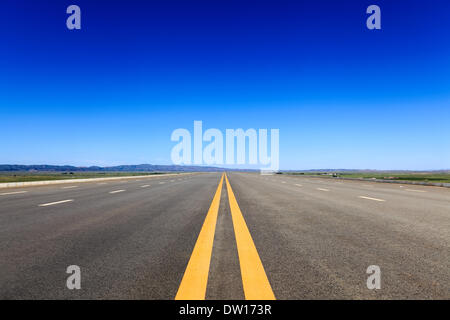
413 190
145 186
369 198
162 182
283 181
102 183
321 189
117 191
70 187
172 180
299 185
53 203
15 192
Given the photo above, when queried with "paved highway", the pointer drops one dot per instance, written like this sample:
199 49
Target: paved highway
209 236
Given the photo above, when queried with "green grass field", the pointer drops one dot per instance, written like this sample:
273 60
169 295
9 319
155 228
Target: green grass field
41 176
401 176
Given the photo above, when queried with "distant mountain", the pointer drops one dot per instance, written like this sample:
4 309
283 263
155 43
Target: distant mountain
171 168
122 168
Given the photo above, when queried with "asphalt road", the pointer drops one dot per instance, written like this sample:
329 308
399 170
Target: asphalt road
303 238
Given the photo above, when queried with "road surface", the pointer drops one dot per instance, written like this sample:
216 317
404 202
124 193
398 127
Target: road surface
244 236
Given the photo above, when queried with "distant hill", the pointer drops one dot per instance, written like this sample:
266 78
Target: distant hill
446 171
122 168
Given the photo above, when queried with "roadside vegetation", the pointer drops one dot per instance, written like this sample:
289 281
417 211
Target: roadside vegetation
42 175
440 177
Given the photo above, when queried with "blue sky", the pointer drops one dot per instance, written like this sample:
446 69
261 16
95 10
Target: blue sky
341 95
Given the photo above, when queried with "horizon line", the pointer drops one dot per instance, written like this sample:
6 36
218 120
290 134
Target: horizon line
214 166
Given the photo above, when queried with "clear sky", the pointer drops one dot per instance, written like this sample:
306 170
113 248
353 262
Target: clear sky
112 93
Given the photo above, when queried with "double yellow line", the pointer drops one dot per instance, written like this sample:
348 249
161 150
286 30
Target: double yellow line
195 279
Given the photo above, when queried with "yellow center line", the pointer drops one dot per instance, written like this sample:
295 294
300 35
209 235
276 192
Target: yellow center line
195 278
254 278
